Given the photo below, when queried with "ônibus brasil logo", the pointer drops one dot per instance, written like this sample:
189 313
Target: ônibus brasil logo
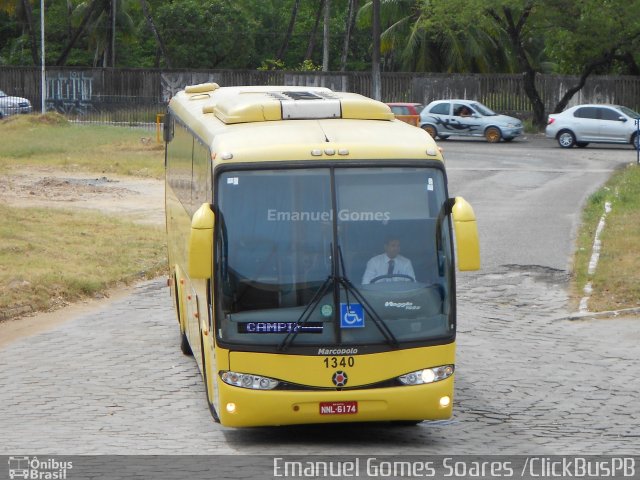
33 468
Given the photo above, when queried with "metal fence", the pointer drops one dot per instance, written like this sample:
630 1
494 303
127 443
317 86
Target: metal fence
135 96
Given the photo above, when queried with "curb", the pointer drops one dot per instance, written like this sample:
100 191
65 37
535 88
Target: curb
606 314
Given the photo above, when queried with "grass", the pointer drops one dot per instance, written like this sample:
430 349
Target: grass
50 257
616 281
50 141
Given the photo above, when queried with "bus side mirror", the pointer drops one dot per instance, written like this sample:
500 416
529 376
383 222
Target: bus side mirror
167 128
200 255
467 242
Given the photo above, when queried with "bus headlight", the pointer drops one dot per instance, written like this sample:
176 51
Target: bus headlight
245 380
428 375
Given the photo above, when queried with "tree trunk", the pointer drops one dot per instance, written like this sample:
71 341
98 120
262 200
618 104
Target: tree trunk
351 20
312 37
375 55
28 15
152 26
606 59
65 53
514 31
112 47
325 36
292 21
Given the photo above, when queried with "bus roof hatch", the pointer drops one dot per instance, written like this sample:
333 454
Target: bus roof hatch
238 106
301 105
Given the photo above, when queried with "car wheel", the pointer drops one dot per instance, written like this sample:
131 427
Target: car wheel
635 141
431 130
566 139
582 144
492 134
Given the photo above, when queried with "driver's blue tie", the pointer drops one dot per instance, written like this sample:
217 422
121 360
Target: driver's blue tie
390 269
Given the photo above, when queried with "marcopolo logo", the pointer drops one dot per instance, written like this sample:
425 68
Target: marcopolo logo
34 468
404 305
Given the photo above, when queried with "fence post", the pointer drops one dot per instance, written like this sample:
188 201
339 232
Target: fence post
637 141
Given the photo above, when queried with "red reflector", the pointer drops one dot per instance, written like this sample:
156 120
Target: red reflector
338 408
551 120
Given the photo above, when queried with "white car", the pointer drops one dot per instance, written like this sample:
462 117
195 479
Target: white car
11 105
583 124
447 118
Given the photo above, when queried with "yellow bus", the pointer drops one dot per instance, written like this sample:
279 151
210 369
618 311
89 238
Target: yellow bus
311 251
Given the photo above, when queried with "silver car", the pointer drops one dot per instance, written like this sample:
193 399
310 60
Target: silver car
448 118
12 105
583 124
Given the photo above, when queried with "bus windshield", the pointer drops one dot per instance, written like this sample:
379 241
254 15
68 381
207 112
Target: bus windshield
333 256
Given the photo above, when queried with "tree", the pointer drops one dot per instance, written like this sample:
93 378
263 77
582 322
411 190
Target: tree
421 35
154 30
351 21
312 36
594 37
574 37
23 11
287 37
207 33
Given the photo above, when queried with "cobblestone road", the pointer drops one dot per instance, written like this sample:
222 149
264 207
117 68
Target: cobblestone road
528 381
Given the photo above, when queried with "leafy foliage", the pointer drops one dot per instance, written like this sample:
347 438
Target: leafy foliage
561 36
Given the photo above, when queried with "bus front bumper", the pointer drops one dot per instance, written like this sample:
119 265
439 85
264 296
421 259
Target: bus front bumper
240 407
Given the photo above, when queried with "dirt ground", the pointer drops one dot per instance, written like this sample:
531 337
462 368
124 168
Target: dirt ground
140 200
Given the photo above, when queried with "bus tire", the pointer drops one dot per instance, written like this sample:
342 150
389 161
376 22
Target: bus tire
184 344
212 409
184 341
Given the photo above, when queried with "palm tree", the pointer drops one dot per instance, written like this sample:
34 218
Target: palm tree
23 10
156 33
351 20
100 18
292 21
411 41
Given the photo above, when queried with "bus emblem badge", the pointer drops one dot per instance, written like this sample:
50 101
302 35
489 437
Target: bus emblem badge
340 379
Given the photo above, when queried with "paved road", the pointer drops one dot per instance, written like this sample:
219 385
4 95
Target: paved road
528 381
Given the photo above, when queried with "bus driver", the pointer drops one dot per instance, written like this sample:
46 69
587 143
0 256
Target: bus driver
389 266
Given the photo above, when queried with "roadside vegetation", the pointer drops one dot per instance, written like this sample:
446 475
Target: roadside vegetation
51 141
616 281
49 256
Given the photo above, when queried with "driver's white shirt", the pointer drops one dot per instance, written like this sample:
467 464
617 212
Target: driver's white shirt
379 265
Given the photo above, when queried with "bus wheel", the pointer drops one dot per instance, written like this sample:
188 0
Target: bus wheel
212 409
184 344
184 341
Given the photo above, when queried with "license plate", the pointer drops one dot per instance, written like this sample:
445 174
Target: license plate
338 408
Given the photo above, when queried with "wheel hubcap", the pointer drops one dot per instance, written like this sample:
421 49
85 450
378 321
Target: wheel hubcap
566 140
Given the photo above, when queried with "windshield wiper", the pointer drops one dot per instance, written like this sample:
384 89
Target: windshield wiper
350 287
306 314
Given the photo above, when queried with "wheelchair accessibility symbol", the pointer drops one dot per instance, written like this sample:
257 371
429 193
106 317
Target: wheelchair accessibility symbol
351 315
